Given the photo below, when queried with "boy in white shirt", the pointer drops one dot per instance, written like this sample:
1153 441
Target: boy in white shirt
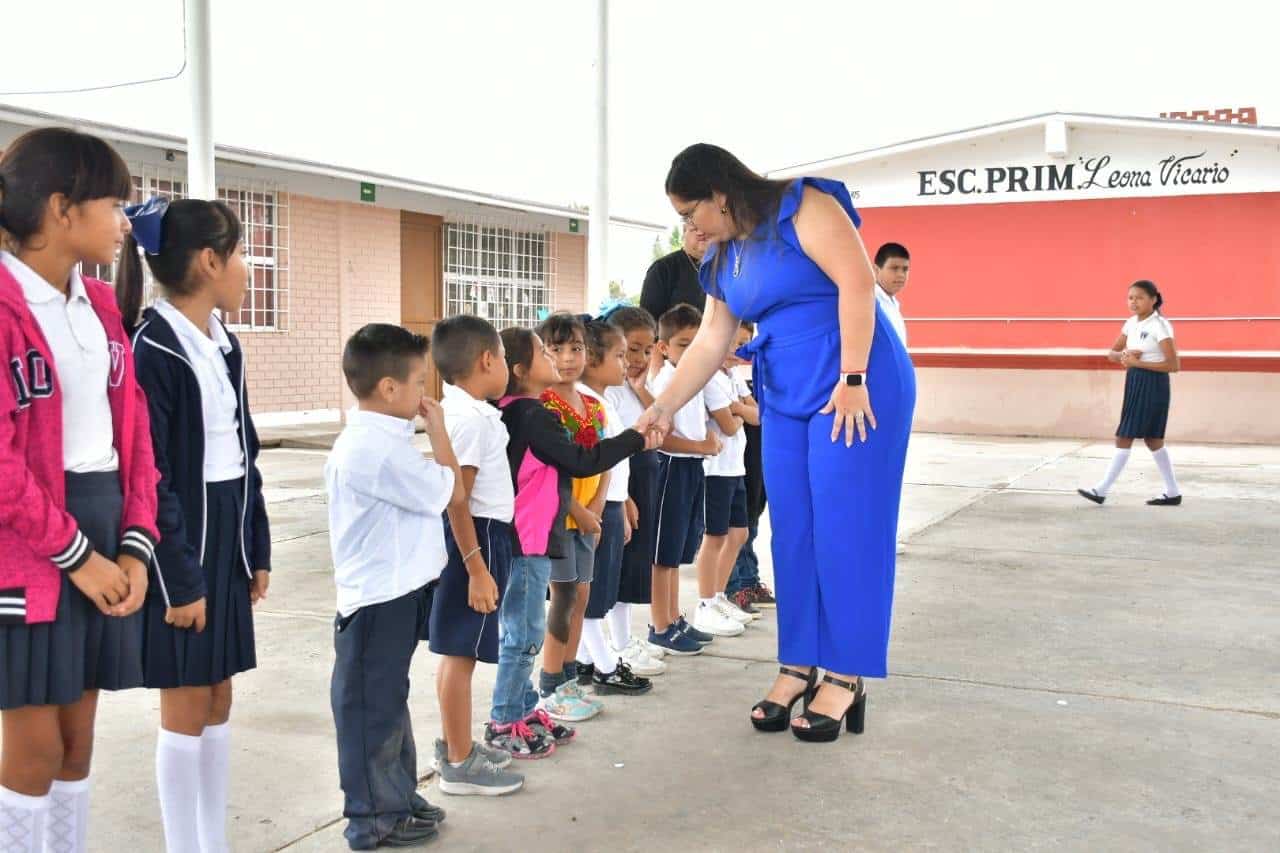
892 268
464 621
682 484
387 538
729 406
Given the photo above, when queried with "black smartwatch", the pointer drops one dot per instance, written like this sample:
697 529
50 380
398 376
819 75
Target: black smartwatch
853 380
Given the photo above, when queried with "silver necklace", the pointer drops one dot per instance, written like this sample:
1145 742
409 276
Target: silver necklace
737 258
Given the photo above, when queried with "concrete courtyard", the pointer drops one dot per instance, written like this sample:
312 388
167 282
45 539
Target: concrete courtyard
1063 676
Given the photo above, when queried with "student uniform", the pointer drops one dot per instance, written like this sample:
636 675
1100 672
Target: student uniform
607 574
635 583
726 489
387 538
682 482
213 517
479 440
1146 392
75 447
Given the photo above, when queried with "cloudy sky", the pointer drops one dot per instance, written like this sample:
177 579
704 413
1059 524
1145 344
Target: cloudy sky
496 95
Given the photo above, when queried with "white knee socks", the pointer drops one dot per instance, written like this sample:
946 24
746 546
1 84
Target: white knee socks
620 625
22 819
178 782
1113 471
66 827
215 777
594 642
1165 464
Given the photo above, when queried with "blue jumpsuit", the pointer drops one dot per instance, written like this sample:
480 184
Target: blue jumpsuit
833 509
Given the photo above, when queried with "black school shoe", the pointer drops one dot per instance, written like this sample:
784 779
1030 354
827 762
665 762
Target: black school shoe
585 672
621 681
423 810
410 832
1090 494
1165 500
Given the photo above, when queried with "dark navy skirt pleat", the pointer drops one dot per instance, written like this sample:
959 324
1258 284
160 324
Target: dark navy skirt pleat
1146 404
54 663
175 657
635 585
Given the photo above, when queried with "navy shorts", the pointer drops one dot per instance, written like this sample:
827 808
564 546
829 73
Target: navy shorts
726 504
681 484
608 562
455 629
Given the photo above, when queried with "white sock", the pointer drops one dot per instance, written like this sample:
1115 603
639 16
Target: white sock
66 823
1113 471
215 778
620 625
1165 464
596 645
707 602
22 822
178 783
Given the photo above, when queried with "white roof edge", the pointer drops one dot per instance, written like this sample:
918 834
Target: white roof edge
979 131
34 118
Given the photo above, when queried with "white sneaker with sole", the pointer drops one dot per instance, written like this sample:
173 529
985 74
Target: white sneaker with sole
709 619
641 662
733 611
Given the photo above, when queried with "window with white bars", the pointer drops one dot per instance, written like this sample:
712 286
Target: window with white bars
493 270
264 221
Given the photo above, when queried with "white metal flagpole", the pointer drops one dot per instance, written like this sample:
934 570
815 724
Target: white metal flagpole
598 236
200 169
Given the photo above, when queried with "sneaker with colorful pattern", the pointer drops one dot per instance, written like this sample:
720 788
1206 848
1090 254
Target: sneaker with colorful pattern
574 689
541 723
762 597
742 600
519 740
563 705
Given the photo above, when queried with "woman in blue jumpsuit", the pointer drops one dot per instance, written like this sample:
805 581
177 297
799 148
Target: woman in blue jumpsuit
787 256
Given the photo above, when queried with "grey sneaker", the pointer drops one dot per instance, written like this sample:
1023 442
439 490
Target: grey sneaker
478 776
499 758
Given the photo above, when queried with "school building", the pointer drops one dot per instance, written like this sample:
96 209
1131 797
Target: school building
331 248
1024 237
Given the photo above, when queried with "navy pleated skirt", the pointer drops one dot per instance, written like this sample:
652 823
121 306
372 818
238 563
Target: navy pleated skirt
1146 404
179 657
54 663
635 584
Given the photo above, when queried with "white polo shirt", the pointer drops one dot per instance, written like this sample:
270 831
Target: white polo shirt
1146 335
893 310
620 474
690 421
207 353
82 362
731 461
479 439
386 502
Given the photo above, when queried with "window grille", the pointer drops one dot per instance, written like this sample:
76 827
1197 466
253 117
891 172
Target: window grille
496 271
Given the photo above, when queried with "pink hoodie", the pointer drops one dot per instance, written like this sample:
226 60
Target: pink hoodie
38 538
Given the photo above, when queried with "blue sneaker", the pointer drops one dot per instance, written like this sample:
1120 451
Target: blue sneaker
674 642
702 638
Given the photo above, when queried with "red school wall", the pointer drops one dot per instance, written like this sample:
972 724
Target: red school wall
1211 256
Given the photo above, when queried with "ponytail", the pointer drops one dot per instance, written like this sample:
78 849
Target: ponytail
129 282
1149 287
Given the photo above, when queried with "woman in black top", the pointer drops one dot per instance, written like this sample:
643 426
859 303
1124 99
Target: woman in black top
673 279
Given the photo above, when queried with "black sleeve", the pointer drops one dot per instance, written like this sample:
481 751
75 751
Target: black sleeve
552 445
260 548
655 295
176 561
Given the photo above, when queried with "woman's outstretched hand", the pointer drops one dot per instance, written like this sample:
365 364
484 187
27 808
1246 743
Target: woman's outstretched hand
852 407
655 425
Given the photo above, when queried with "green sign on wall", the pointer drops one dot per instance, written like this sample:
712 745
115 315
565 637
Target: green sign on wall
573 226
368 192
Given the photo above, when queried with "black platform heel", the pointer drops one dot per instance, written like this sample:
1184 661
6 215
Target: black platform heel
822 729
777 717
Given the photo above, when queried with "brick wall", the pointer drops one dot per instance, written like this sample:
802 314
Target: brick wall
345 272
295 370
571 272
